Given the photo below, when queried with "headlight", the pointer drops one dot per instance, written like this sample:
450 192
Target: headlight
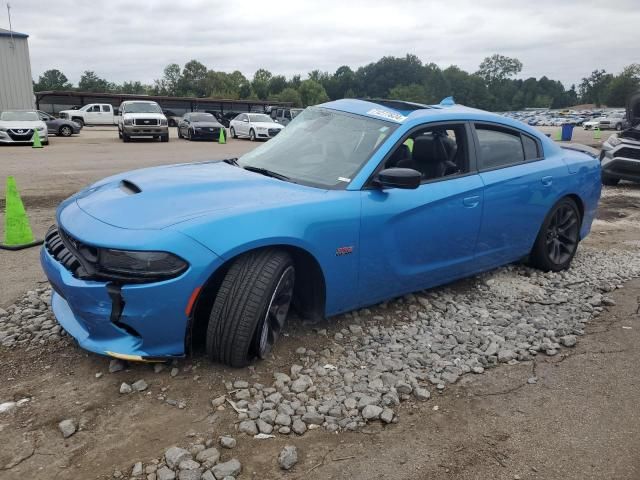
128 121
140 265
261 129
40 129
163 122
613 140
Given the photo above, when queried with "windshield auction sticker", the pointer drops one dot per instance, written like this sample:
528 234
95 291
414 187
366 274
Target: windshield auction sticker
396 117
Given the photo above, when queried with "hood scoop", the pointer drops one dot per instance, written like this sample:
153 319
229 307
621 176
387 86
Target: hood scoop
130 188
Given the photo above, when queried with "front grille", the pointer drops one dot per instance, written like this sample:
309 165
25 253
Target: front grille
145 122
57 249
20 134
273 132
627 152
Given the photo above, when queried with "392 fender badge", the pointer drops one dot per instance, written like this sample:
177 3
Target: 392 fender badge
343 251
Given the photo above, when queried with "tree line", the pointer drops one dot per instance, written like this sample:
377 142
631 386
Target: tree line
491 87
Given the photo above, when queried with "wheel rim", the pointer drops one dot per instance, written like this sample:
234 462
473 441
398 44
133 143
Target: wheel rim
277 311
252 135
562 234
66 131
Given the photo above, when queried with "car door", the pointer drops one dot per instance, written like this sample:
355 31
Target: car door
92 115
521 185
243 125
414 239
106 114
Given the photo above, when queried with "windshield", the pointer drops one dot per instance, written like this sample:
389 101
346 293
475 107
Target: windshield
260 117
295 112
19 116
202 117
321 147
143 107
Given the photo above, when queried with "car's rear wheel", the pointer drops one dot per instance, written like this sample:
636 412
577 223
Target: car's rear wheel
251 307
558 238
79 121
233 133
65 131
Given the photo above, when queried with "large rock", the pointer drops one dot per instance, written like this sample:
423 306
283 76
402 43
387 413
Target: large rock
371 412
67 427
288 457
248 427
165 474
174 455
227 469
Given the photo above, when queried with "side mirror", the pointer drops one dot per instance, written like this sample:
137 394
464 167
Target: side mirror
407 178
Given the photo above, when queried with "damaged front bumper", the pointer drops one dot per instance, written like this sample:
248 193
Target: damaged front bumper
143 321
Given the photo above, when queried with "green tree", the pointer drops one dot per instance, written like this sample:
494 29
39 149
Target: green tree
90 82
131 87
411 93
593 88
260 83
624 85
312 93
277 84
52 79
497 68
171 81
194 79
289 95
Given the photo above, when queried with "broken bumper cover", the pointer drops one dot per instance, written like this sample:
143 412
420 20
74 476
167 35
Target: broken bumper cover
146 321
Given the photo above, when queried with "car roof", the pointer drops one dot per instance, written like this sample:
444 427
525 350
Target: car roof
411 114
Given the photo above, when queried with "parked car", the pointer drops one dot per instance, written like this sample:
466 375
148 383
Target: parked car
142 118
19 126
172 118
91 114
613 121
334 214
197 125
254 126
284 115
620 154
591 124
59 126
223 118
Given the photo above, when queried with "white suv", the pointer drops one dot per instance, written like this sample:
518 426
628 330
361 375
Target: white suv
142 118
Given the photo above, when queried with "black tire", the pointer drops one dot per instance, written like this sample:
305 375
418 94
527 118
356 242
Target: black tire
244 312
618 126
119 134
125 138
610 181
179 133
79 121
172 122
232 132
558 238
164 138
252 135
65 131
189 135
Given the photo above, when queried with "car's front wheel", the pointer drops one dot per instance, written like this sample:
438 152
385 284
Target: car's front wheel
251 307
558 237
232 132
252 135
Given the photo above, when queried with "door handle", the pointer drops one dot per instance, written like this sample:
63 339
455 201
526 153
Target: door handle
547 181
471 202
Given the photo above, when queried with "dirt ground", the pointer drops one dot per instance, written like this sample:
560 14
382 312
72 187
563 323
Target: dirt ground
579 421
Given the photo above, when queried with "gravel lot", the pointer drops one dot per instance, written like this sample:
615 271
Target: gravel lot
388 379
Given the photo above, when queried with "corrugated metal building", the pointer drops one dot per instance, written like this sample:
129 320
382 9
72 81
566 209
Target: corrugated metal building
16 87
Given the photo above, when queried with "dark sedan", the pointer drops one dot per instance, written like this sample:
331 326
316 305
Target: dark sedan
59 126
199 126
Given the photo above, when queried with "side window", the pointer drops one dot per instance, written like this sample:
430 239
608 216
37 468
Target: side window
498 147
436 152
95 108
287 114
106 108
530 148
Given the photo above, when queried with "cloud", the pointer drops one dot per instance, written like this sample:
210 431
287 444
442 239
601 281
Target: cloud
122 40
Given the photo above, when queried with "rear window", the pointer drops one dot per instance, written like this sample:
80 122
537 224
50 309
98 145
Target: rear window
530 148
498 148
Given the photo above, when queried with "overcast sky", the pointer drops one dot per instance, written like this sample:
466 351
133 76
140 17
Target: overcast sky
128 40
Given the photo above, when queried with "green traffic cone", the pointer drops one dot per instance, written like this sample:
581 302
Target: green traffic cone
36 139
559 135
16 223
221 138
596 133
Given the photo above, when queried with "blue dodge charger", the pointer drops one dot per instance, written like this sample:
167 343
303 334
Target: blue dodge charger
353 203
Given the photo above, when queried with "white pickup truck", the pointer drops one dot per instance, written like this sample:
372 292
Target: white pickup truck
92 114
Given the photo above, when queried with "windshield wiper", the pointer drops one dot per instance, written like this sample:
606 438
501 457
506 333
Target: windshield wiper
231 161
268 173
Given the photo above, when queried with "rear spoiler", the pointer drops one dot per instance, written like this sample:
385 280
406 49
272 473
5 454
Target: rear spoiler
578 147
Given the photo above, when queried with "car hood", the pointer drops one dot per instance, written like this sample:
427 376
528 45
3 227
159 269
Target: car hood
205 124
159 197
266 125
21 124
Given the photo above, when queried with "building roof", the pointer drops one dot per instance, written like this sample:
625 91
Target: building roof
8 33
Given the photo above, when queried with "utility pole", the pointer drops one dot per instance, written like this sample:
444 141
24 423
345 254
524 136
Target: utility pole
13 45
